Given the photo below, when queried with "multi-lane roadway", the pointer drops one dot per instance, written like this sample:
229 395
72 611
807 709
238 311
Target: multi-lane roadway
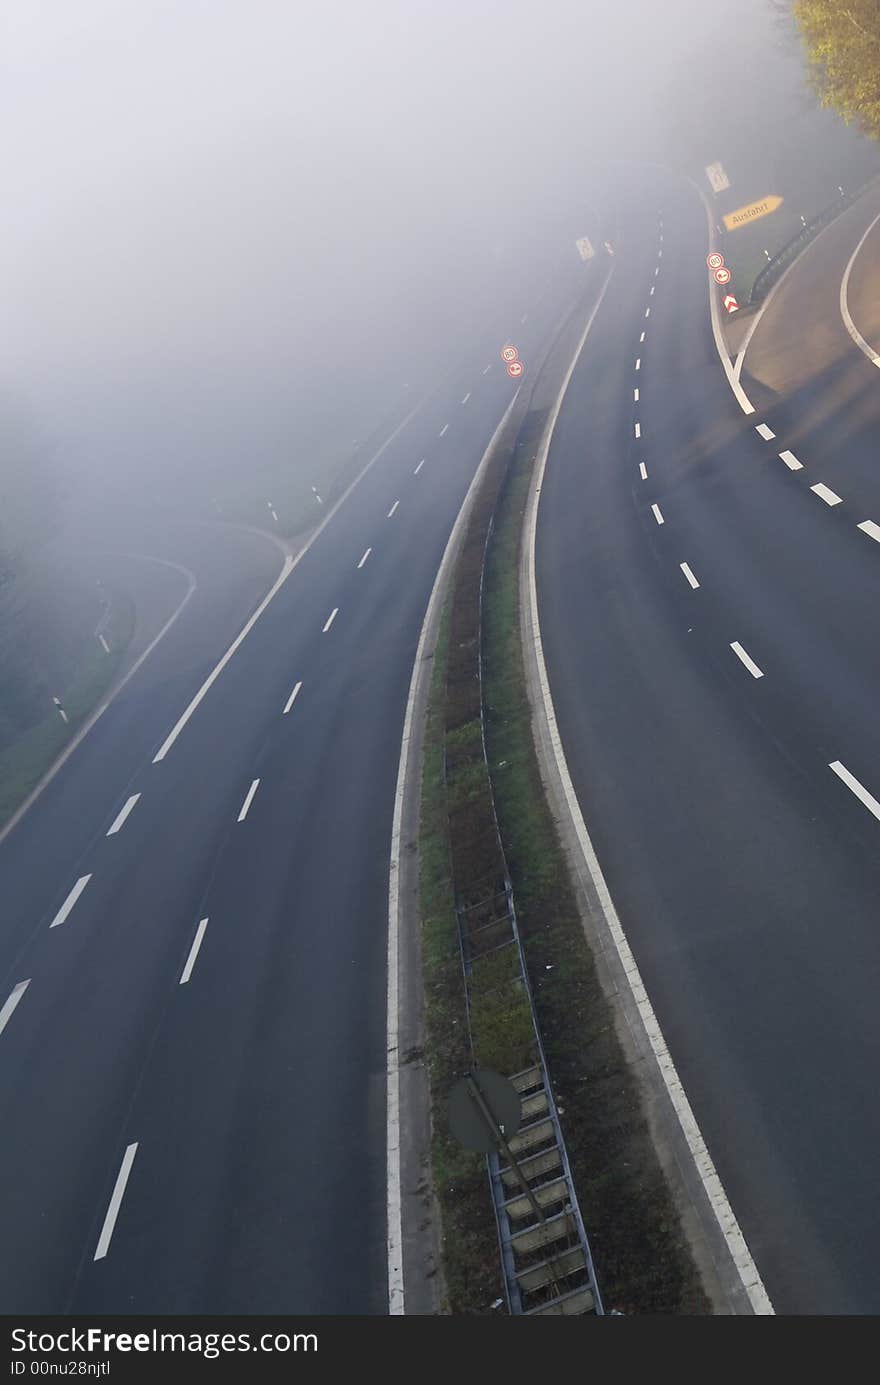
709 587
194 913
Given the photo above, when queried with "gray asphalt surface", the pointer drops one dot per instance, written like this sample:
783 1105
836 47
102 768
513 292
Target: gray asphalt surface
745 872
254 1092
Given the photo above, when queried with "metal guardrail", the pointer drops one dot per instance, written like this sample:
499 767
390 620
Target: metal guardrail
776 267
545 1254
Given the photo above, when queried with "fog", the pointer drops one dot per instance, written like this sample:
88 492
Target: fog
234 232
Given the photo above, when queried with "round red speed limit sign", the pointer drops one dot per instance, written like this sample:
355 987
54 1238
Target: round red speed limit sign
515 369
715 261
509 354
722 275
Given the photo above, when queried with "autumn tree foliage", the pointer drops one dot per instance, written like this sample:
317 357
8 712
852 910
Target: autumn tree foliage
843 43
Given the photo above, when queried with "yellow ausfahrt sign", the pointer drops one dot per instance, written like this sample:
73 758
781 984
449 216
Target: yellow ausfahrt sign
743 215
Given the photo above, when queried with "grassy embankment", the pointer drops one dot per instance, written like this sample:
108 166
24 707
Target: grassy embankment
643 1262
23 763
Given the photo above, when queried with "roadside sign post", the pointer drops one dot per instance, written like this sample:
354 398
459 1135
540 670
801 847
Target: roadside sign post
718 179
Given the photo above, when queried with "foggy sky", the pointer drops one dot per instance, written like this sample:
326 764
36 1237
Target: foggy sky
220 214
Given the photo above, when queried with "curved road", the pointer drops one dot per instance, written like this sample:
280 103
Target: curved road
709 624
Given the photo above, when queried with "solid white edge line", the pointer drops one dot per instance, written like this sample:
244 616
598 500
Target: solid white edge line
826 493
330 619
867 799
249 798
290 563
729 1226
11 1001
658 514
746 659
293 696
732 378
396 1294
686 569
864 346
193 953
69 902
869 527
115 1201
122 815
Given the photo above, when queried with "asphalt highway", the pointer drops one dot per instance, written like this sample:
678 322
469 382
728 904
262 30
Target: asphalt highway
710 629
192 952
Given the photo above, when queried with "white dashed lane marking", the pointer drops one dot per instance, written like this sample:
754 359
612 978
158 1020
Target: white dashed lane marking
855 787
766 433
657 514
193 953
330 619
689 575
443 430
248 800
868 527
746 659
393 508
791 461
643 471
638 430
122 815
419 467
69 902
293 696
364 558
826 494
115 1201
467 397
11 1001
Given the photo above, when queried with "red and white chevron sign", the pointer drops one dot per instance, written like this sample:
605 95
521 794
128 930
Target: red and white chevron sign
730 303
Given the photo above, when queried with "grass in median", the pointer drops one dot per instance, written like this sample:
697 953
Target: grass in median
24 763
642 1260
470 1247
